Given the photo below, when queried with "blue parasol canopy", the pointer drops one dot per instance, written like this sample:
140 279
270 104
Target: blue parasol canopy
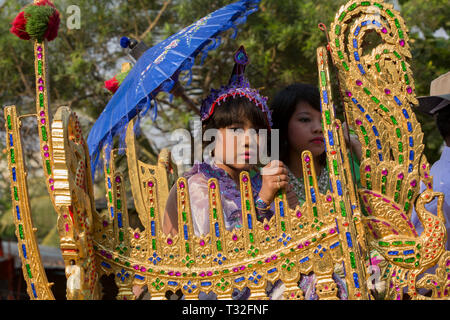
158 70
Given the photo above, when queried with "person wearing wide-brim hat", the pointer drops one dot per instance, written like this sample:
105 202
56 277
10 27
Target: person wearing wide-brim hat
437 105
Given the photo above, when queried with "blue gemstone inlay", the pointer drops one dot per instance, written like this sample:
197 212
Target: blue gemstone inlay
411 155
304 260
249 220
205 284
380 157
406 252
281 209
140 277
405 113
397 101
409 126
364 23
349 239
106 265
18 212
185 229
393 253
330 138
339 187
34 290
334 245
356 55
216 228
112 212
411 142
14 174
361 108
24 251
355 43
11 141
239 279
271 270
356 280
361 69
152 228
410 167
369 118
119 219
313 195
375 131
172 283
358 28
355 101
109 183
378 143
325 96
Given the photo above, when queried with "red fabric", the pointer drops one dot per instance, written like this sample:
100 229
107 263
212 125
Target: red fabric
53 26
18 26
53 22
112 85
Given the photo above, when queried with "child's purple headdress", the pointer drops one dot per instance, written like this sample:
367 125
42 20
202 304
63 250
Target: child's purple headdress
237 86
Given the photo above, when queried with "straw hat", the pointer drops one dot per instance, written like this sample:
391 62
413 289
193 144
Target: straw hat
439 95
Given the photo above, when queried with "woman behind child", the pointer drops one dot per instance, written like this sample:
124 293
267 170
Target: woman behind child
297 116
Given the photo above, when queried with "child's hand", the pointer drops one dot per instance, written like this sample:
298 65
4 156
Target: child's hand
353 143
274 177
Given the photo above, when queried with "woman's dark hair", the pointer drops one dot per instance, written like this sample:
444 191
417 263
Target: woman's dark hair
443 122
235 111
283 107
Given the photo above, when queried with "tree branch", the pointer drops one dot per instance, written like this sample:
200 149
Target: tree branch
153 24
29 91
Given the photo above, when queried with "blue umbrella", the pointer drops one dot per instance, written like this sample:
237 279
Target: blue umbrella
158 70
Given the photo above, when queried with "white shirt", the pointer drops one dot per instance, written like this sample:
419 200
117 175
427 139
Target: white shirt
441 183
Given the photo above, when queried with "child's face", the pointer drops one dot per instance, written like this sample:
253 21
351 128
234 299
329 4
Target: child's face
237 146
305 130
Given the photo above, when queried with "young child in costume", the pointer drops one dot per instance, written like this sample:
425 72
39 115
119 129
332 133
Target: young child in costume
235 108
296 113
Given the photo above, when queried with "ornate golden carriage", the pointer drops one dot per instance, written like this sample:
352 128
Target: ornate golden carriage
340 227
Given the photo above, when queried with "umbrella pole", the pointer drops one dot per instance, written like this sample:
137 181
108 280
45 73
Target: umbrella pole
178 91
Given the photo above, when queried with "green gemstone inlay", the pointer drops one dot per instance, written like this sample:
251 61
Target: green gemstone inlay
323 78
327 117
16 194
337 30
49 168
342 205
377 65
389 12
44 133
13 157
40 67
21 232
29 271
